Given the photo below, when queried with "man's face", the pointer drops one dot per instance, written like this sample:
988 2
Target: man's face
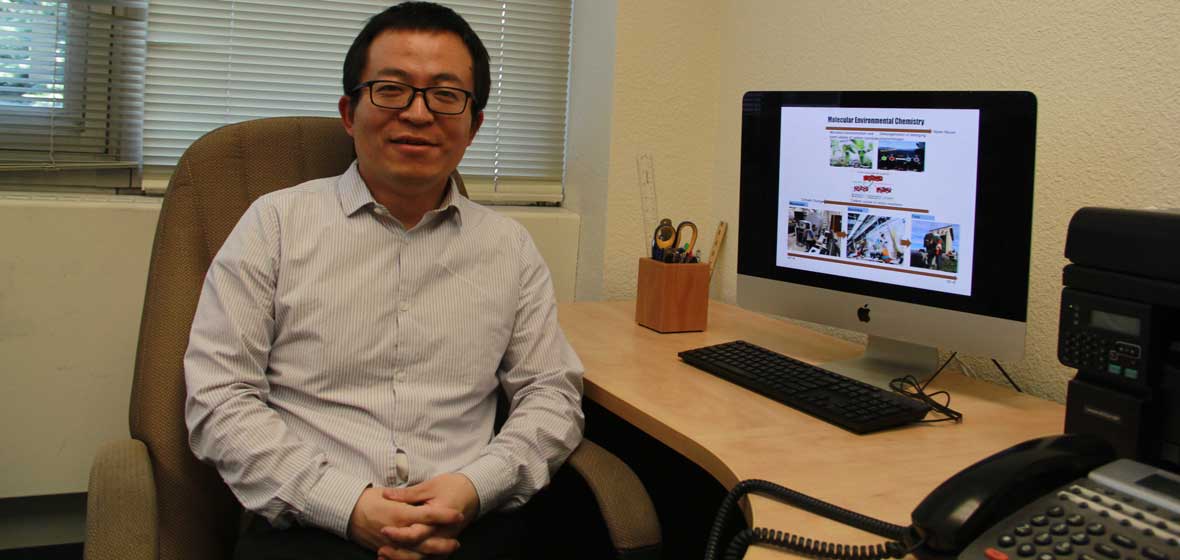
412 150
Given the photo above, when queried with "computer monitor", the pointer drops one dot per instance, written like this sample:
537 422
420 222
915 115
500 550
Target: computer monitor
903 215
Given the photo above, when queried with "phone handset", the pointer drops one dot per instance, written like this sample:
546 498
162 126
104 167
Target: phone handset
949 519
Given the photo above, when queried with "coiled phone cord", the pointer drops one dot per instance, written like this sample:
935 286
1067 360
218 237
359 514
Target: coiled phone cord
900 544
811 548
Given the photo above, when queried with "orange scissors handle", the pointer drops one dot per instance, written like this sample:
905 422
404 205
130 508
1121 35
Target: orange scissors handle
665 236
691 243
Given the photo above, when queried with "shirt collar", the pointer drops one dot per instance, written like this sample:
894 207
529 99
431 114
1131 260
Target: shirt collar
355 195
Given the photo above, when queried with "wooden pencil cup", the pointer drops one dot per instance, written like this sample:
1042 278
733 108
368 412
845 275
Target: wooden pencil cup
672 297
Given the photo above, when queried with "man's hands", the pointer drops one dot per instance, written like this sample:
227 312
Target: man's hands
373 514
449 491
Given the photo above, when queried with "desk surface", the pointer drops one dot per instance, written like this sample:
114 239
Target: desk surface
736 435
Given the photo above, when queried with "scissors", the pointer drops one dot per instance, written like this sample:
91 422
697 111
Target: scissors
666 241
663 239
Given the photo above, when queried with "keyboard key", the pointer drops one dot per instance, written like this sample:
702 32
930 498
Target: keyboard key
1106 550
1122 540
993 554
1154 554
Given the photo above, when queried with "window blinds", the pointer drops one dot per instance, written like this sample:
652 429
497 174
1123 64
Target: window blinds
212 63
71 87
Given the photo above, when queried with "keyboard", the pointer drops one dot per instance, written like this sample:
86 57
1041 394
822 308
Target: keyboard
850 404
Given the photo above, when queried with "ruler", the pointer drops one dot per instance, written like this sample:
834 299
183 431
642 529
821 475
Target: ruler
646 169
716 250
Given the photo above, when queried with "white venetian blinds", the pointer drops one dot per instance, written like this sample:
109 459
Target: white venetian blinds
215 62
71 89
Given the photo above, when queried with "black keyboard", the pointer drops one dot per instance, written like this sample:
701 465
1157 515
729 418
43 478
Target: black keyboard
850 404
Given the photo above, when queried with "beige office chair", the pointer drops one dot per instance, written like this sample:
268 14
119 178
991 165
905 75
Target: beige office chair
149 497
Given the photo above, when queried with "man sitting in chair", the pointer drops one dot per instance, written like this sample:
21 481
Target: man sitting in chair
354 332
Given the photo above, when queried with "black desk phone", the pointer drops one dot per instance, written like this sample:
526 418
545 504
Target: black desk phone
1053 498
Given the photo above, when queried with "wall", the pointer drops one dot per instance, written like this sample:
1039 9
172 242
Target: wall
1103 73
587 147
665 105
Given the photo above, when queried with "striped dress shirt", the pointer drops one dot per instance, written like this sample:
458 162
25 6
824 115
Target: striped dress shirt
332 350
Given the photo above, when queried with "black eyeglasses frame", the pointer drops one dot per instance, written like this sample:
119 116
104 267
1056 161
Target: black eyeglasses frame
414 91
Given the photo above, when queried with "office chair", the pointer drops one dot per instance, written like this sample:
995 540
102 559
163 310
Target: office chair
149 497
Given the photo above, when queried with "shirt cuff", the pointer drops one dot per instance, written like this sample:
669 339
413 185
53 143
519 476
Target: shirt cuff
491 478
331 501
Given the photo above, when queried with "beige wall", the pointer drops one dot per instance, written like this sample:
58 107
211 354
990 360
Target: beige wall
666 106
1104 74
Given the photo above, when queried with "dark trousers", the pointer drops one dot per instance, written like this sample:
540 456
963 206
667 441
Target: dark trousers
496 536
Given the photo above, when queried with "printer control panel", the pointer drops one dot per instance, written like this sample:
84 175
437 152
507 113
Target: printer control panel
1106 339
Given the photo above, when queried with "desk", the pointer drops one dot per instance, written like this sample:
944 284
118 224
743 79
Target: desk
735 435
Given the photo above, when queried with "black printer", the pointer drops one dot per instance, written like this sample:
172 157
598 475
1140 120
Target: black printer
1120 328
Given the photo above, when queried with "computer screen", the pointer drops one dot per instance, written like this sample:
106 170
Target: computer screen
904 215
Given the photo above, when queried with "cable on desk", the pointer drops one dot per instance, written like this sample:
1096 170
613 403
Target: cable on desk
903 539
910 387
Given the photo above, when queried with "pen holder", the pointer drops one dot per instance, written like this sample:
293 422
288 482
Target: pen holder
672 297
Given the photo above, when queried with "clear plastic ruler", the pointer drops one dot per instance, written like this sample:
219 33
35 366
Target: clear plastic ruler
647 196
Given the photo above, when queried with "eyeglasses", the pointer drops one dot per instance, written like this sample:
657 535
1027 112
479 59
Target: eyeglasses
396 95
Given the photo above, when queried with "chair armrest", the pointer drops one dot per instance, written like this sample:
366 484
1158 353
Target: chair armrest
626 507
121 518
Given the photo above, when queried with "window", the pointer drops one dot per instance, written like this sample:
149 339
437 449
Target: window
71 85
212 63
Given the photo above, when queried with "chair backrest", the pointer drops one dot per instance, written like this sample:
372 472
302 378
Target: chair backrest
215 181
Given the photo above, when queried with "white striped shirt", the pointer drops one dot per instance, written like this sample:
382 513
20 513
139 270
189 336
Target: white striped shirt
332 350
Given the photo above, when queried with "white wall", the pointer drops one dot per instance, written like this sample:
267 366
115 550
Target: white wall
587 164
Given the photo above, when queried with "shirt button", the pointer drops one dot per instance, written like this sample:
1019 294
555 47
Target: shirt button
404 306
400 375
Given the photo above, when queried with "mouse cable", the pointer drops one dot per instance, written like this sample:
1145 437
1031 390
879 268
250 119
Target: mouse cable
910 387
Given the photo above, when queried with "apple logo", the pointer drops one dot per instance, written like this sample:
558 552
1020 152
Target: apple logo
863 313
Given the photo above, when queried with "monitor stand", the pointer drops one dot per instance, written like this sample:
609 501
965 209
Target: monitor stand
886 359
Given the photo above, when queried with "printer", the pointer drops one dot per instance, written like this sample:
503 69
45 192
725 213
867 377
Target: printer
1120 328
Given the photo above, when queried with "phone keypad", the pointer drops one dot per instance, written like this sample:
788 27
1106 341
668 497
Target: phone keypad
1083 521
1127 511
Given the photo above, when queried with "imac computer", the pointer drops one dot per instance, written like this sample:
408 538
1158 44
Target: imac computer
903 215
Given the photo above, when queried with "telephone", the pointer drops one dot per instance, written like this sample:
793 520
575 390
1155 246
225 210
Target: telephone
1052 498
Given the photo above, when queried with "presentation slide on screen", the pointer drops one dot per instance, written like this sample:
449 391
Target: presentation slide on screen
886 195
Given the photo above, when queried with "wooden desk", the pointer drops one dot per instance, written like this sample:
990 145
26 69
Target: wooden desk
735 435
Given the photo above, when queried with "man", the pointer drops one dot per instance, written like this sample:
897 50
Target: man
354 332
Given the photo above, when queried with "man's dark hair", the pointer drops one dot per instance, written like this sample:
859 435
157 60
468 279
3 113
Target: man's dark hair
418 16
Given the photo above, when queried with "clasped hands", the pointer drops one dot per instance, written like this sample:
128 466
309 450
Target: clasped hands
417 522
